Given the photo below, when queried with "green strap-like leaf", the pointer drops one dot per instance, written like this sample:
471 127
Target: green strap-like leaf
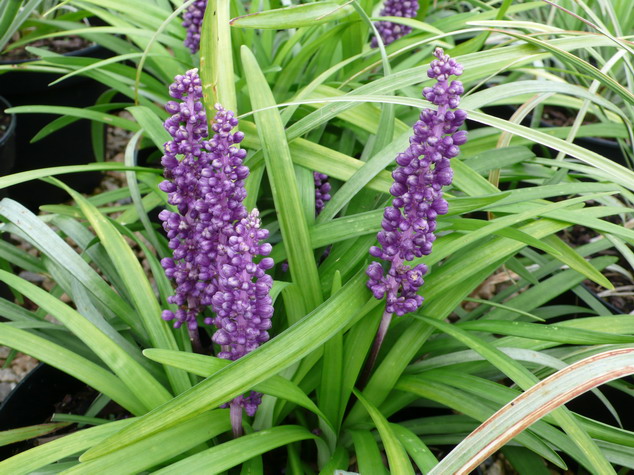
295 16
205 366
25 433
160 447
73 364
396 455
134 277
216 59
135 377
227 455
282 351
279 167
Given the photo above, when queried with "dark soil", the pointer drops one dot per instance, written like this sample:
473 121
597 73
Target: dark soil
622 297
562 117
62 45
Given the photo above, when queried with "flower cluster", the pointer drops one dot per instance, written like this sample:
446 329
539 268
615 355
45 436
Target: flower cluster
424 168
322 191
389 31
213 238
207 187
242 306
193 21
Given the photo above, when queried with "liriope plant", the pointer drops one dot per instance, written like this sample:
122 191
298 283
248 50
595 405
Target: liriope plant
313 96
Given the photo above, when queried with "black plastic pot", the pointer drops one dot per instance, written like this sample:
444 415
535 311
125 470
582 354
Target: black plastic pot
7 159
33 401
71 145
7 143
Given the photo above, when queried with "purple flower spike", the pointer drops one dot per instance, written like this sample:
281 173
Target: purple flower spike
193 21
409 224
390 32
207 187
213 238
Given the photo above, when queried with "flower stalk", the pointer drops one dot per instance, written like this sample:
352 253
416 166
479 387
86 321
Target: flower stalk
409 224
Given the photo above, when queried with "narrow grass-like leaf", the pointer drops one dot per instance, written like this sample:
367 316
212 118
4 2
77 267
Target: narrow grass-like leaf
151 124
524 461
73 364
480 409
269 359
534 404
22 177
53 246
14 13
25 433
216 59
31 460
205 366
526 380
279 167
396 455
368 454
136 378
295 16
337 463
160 447
442 298
134 277
64 121
227 455
415 447
77 112
546 332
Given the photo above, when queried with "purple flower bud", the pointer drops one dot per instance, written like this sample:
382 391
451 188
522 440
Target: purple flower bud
322 187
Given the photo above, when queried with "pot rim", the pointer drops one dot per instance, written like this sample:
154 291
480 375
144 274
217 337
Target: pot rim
12 124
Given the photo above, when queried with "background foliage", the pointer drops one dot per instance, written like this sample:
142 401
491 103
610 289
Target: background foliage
313 96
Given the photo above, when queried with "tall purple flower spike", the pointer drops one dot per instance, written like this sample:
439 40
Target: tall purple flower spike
390 32
207 187
409 224
214 239
193 21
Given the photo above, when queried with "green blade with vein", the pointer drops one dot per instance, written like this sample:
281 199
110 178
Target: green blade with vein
224 456
133 276
71 363
282 351
279 167
146 388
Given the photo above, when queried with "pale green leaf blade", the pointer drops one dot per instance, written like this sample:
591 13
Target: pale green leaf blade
279 167
295 16
282 351
534 404
396 455
227 455
73 364
135 377
25 433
